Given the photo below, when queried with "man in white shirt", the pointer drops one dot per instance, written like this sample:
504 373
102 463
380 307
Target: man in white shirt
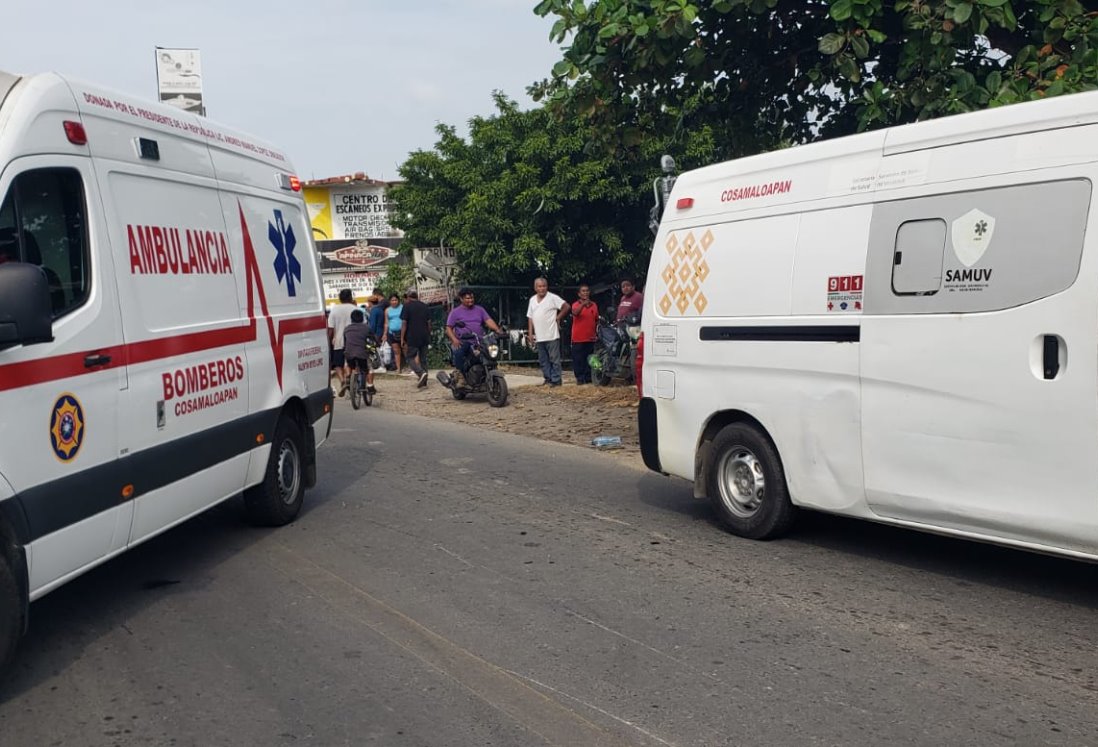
543 318
338 319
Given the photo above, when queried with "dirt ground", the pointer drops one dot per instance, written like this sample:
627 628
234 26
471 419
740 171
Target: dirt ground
569 413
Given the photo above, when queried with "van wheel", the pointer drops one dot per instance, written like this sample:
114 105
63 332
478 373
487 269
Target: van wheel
11 612
277 500
746 483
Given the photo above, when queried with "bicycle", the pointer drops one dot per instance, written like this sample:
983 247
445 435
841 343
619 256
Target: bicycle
361 392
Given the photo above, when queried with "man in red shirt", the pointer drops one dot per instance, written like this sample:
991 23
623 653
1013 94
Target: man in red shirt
632 301
585 316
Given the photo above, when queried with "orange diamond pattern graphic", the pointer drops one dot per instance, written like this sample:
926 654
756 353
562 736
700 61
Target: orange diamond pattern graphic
685 273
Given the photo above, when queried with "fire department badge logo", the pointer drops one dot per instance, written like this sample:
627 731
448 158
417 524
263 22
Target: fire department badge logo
971 234
66 427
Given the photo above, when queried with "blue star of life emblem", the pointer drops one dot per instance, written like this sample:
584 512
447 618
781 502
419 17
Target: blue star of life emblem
285 264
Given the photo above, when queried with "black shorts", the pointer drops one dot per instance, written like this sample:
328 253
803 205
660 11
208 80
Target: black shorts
358 364
393 338
337 359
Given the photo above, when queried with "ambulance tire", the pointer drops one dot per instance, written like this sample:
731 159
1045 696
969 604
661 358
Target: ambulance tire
746 483
277 500
11 612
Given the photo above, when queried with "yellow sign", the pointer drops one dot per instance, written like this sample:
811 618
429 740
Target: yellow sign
320 212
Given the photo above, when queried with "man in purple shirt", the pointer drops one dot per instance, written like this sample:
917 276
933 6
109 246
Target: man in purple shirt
464 325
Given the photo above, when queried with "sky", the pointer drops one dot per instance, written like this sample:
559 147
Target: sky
341 86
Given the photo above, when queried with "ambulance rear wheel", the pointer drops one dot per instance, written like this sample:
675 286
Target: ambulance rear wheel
746 483
277 500
11 612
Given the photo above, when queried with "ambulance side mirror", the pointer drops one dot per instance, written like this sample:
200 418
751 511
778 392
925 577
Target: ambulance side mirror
26 316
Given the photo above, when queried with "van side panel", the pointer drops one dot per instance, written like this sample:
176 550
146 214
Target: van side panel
968 424
718 303
280 290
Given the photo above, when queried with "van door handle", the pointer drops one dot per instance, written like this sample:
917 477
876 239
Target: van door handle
96 359
1052 356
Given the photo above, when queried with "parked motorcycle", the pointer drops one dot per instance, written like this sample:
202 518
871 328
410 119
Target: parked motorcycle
617 355
481 374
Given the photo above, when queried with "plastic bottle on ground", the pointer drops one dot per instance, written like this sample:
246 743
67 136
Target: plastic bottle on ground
606 442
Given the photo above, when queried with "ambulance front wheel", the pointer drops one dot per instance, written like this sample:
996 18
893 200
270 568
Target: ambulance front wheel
746 483
277 500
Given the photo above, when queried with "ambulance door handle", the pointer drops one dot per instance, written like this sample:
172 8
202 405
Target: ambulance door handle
1052 356
96 359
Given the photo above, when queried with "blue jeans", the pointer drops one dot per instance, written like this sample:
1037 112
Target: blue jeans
460 354
549 358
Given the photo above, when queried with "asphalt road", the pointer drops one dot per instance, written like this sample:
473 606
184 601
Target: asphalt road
454 586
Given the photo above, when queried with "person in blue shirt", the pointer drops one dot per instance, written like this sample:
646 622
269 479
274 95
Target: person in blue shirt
377 316
394 323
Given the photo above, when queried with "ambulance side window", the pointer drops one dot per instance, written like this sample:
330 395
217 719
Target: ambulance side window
43 222
917 259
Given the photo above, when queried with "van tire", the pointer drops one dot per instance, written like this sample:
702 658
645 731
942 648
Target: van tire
746 483
11 612
277 500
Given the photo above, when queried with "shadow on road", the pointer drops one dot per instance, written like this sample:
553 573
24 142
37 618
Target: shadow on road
964 562
68 621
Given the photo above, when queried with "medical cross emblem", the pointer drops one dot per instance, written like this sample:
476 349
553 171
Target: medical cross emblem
285 264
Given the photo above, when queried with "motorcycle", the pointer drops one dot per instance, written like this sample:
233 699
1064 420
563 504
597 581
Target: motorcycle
481 374
617 355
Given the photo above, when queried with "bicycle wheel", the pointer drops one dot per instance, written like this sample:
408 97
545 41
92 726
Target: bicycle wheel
356 391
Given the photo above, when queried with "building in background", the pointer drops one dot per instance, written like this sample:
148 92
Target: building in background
355 241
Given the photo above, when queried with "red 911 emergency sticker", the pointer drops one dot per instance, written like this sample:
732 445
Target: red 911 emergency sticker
844 293
66 427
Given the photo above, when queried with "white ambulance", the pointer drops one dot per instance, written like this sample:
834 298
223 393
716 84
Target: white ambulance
900 326
162 335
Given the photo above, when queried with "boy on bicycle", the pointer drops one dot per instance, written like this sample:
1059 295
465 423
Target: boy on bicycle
356 338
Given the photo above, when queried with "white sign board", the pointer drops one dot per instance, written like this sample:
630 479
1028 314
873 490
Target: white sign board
362 284
360 213
179 79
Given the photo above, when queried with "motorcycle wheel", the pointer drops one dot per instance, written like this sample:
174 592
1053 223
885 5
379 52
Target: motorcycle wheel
497 390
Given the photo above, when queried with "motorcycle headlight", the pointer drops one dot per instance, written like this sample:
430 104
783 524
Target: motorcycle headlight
493 350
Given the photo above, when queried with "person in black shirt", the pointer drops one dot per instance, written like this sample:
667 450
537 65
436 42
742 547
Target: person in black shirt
355 337
415 334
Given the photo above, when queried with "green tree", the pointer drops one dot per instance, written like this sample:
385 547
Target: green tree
398 278
758 73
522 196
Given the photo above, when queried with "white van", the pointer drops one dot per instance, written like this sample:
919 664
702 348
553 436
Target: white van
162 335
900 326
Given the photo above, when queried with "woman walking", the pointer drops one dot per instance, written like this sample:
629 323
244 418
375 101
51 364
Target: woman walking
392 314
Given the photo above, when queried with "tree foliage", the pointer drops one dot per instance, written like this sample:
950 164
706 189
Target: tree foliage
758 73
521 197
398 278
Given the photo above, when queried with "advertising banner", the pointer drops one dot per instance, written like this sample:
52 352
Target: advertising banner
179 79
360 213
362 284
